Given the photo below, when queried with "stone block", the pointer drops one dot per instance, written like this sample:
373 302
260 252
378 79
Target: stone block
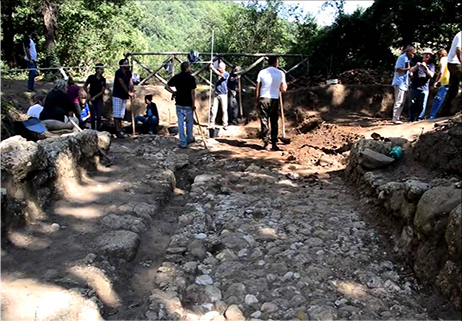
372 160
119 244
454 234
124 222
20 157
433 210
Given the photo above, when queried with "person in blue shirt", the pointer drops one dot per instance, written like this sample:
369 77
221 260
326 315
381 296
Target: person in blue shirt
152 115
401 81
84 108
221 95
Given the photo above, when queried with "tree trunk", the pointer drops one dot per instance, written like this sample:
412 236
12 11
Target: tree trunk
8 44
49 11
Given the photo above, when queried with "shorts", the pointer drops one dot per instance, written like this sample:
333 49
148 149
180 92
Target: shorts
118 107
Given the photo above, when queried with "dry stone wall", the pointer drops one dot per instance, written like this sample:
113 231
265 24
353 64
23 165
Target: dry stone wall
427 216
34 173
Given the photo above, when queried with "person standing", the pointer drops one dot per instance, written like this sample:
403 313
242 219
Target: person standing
422 72
185 96
31 59
97 85
401 81
233 107
123 89
455 73
270 82
220 95
443 80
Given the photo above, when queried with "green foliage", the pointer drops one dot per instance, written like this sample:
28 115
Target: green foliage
369 38
89 31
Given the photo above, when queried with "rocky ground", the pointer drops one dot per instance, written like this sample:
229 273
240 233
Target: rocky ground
237 233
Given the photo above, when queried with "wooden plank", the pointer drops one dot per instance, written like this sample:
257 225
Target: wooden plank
162 80
242 75
206 80
249 80
285 71
297 65
152 73
224 54
251 66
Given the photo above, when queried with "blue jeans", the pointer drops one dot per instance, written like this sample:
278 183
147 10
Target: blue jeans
185 113
438 101
417 103
152 121
32 66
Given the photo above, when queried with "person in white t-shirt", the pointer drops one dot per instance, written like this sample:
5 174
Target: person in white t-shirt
455 73
270 82
31 59
36 109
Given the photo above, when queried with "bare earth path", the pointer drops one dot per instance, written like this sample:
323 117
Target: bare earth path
243 235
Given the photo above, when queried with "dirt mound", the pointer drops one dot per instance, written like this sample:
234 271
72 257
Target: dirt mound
349 77
442 150
327 145
365 77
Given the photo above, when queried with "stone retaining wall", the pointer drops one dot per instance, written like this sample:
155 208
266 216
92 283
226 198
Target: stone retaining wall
427 216
35 173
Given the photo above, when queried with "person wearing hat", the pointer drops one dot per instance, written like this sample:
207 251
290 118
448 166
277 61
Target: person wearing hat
421 74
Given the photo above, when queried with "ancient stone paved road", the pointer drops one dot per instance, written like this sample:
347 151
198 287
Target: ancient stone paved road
258 241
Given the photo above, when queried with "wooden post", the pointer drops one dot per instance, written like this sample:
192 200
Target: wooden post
240 98
210 92
173 65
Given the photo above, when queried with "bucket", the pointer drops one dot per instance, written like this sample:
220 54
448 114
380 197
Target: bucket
173 130
396 152
213 132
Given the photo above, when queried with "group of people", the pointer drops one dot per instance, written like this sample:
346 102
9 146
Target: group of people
67 104
416 80
270 82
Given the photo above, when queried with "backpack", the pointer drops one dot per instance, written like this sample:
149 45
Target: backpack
193 57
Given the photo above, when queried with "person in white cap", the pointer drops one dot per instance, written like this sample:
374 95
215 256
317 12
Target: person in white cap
455 71
422 72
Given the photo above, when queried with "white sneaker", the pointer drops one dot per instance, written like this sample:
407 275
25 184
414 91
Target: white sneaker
398 122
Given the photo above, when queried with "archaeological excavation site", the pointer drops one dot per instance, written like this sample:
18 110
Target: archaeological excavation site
231 160
329 227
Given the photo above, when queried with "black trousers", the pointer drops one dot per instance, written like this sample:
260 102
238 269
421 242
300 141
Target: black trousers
269 116
96 108
455 77
233 107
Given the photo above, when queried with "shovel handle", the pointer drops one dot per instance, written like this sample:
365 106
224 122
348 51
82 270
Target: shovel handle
200 129
282 116
133 116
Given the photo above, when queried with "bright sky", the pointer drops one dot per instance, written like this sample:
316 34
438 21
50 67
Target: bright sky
327 16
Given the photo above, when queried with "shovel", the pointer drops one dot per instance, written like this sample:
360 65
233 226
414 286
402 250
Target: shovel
285 140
